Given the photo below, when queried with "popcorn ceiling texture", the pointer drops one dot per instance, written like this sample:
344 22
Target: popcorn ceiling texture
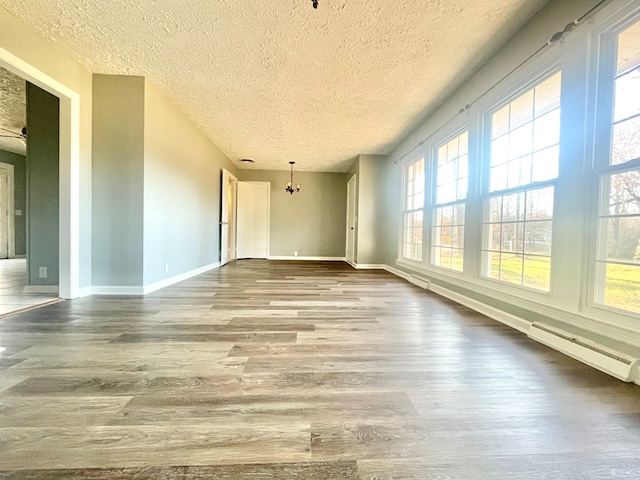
13 110
278 80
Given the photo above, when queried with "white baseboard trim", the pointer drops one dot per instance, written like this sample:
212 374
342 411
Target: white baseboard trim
491 312
85 292
590 353
420 282
116 290
152 287
23 255
49 289
368 266
178 278
518 323
313 259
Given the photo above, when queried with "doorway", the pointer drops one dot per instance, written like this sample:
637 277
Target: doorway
29 233
69 168
7 233
253 219
352 219
228 209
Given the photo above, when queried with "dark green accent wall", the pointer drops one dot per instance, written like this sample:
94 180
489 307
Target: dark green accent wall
19 163
43 183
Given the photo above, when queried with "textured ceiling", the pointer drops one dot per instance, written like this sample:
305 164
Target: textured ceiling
12 111
278 80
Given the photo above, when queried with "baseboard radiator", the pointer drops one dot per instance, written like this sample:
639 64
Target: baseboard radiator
420 282
609 361
616 364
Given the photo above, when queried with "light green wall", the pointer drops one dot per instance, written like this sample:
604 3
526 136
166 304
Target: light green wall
156 186
19 163
118 176
312 221
182 176
370 208
43 147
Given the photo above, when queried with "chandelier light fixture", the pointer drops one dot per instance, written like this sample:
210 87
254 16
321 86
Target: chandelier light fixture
290 186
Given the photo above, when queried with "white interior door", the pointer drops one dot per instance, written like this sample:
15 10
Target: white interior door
228 205
4 214
253 219
351 221
7 224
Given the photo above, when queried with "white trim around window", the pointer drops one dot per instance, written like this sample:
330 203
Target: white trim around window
412 225
613 287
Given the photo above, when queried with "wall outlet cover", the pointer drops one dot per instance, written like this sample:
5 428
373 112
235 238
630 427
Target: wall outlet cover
42 272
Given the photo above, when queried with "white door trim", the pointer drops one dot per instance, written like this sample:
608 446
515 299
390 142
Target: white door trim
352 219
228 225
69 230
11 232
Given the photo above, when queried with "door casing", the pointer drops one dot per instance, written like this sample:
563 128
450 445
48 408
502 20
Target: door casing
352 220
228 209
7 223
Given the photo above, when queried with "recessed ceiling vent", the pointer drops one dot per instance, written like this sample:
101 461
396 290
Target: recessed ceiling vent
246 160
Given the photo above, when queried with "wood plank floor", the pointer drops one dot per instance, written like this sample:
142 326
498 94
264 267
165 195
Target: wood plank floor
280 370
13 280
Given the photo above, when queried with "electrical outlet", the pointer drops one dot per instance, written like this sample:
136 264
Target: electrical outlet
166 268
295 253
18 213
42 272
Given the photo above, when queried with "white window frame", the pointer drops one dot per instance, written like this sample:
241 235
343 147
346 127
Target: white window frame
575 206
601 99
546 69
433 204
405 210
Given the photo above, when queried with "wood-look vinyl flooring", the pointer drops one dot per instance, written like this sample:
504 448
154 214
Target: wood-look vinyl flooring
13 280
299 370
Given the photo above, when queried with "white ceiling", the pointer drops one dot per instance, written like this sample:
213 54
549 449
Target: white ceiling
278 80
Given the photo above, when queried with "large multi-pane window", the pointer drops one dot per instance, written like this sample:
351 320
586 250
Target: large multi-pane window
450 193
413 210
618 244
518 211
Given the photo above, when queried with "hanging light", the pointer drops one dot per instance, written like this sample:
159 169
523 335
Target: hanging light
290 186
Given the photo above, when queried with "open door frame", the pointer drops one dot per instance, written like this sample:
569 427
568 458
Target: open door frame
228 209
8 212
352 219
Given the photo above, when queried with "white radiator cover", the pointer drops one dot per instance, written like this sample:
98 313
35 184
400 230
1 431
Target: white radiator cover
609 361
